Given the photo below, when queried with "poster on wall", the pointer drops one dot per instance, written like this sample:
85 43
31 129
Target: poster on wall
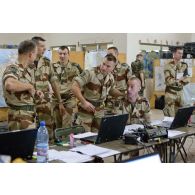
189 62
94 58
189 94
7 57
159 78
163 62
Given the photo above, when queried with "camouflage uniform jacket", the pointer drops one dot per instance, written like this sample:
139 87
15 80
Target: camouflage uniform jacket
44 75
122 73
22 98
138 111
65 74
94 85
137 68
171 71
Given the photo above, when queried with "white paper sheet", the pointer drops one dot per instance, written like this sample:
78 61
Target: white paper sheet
179 75
109 153
84 135
168 119
156 122
68 156
90 149
173 133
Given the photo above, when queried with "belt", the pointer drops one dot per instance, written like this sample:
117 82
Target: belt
66 96
23 107
174 88
96 103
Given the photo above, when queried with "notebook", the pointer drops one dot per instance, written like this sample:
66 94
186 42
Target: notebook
111 128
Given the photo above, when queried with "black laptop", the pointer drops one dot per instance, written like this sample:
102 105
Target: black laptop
111 128
19 143
181 118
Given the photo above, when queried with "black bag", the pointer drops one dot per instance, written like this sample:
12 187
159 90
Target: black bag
160 102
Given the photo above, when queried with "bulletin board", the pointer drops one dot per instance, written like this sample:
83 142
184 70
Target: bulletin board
75 56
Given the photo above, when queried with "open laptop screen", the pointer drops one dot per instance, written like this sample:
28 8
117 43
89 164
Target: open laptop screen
19 143
182 116
112 128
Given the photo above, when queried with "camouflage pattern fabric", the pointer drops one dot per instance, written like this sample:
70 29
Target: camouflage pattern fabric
44 75
95 87
174 88
139 111
21 114
121 73
137 68
65 74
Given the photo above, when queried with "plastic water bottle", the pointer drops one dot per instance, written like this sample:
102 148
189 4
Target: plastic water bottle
42 143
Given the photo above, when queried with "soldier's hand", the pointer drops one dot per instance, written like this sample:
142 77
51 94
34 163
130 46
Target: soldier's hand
31 90
88 106
62 109
40 94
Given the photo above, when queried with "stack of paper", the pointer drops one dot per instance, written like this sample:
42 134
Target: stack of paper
93 150
68 156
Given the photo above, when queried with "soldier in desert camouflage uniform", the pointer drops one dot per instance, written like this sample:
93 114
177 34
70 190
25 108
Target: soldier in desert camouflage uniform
65 71
44 80
122 72
138 70
18 88
136 106
176 76
96 85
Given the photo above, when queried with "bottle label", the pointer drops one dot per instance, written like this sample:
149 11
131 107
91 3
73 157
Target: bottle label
42 152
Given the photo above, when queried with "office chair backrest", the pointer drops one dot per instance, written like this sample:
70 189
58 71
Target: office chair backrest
62 134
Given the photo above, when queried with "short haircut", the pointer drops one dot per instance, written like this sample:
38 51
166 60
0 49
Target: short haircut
26 47
114 48
37 39
110 57
139 55
177 48
64 47
133 78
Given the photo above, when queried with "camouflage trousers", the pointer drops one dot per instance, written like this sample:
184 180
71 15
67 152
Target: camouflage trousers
172 102
21 119
68 119
90 121
45 113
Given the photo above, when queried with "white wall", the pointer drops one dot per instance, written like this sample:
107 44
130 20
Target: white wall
57 39
127 43
192 37
133 46
16 38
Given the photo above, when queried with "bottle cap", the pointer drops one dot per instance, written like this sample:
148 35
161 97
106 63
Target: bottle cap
42 123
